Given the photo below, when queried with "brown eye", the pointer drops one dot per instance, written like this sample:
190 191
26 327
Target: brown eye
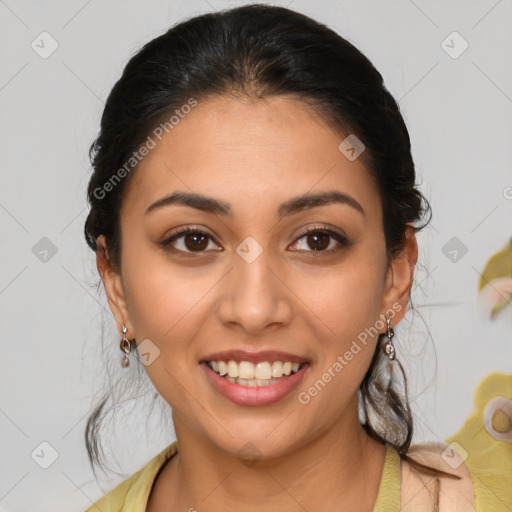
195 241
188 240
319 240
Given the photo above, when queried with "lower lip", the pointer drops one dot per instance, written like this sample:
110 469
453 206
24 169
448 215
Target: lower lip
257 395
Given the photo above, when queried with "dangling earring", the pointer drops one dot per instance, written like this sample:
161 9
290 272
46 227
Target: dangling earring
126 347
389 348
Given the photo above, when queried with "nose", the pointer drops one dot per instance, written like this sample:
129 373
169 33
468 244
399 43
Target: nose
256 298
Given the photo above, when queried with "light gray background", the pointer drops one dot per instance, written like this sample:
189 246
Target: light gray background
458 114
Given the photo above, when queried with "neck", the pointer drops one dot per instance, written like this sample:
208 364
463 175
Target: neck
343 466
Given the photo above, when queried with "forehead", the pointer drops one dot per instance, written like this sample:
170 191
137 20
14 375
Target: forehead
250 153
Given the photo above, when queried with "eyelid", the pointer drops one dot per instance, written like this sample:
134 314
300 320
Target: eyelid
321 227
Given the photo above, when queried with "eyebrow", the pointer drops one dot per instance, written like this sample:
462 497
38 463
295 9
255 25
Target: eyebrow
294 205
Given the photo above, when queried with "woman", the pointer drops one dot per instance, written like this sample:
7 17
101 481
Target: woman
253 212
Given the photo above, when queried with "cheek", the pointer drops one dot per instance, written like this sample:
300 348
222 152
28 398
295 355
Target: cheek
160 294
346 299
346 305
163 304
348 308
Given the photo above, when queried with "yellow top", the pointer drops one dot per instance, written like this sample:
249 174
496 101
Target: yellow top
132 494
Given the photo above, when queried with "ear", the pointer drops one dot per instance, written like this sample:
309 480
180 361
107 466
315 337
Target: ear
399 279
113 287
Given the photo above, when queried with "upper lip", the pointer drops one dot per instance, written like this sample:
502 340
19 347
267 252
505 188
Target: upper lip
254 357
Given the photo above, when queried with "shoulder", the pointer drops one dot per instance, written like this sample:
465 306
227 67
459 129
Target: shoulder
134 491
427 491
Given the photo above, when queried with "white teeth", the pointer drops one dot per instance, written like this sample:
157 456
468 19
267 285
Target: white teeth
246 370
232 369
277 369
246 382
263 371
223 368
252 383
249 374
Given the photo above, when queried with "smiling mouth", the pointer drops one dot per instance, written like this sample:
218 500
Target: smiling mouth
251 374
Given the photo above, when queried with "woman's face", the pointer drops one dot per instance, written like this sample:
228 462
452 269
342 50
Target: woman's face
253 280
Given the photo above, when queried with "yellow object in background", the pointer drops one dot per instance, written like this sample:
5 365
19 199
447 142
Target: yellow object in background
485 442
497 278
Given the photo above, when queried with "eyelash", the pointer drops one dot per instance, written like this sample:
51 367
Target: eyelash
314 230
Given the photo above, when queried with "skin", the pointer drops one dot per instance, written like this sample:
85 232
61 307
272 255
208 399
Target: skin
255 155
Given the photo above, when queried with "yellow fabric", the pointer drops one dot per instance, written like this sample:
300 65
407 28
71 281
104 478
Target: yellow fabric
388 497
489 460
132 494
